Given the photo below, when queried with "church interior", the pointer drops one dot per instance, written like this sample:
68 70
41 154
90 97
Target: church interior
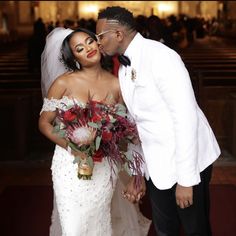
202 32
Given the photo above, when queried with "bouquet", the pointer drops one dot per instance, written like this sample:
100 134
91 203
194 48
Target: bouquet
98 130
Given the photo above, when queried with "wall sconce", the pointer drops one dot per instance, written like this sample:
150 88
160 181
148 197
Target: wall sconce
164 9
91 9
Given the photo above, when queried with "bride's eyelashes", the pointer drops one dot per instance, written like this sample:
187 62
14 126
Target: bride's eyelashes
81 48
90 40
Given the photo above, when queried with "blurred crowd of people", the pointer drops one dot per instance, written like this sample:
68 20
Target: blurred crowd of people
177 32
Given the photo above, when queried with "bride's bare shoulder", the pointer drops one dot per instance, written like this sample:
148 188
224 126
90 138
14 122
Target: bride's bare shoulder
60 85
62 80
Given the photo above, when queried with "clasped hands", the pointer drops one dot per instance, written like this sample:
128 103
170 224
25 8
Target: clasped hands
132 193
184 195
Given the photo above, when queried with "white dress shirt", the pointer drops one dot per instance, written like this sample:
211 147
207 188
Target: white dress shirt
177 141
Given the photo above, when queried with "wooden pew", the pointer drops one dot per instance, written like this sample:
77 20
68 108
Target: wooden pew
19 76
22 139
15 118
233 130
213 89
20 84
213 74
210 62
14 69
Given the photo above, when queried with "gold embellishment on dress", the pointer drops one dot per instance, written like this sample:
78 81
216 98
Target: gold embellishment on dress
133 75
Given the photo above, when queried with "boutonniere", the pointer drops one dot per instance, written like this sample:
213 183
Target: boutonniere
133 75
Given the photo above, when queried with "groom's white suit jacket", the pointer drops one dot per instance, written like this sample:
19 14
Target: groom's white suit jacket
177 140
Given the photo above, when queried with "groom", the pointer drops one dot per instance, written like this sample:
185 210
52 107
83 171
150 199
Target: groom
178 143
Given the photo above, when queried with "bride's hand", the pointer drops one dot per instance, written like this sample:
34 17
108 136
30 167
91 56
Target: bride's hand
135 141
131 193
79 154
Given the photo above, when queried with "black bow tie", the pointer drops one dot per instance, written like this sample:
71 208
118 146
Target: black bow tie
124 60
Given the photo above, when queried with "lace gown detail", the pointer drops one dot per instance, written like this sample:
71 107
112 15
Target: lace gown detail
83 207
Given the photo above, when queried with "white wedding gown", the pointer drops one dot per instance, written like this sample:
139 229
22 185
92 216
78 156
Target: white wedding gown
90 207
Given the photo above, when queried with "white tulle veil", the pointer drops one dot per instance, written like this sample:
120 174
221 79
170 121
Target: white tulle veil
51 66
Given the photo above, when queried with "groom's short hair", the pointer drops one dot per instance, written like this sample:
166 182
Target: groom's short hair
120 14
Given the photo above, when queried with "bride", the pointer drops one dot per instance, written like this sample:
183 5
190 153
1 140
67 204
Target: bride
71 70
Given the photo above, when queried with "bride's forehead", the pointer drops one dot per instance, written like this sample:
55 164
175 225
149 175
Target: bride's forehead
79 36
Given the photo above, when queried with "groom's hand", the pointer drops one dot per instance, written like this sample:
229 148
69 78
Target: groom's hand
131 193
184 196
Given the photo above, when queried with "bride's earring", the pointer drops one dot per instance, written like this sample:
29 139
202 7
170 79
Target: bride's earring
77 65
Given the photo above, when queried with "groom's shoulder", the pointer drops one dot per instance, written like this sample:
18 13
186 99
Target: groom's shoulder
156 48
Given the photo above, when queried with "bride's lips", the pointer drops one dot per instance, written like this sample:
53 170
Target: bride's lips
91 54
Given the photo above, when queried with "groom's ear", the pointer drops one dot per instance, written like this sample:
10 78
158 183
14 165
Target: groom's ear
120 35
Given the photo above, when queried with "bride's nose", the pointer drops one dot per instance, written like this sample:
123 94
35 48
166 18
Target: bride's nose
88 48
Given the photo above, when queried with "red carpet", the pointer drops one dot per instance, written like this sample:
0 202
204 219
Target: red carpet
26 210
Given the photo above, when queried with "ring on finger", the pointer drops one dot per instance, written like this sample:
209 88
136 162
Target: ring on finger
187 203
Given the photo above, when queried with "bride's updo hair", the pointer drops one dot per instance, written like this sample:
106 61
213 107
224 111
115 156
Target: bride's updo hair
67 57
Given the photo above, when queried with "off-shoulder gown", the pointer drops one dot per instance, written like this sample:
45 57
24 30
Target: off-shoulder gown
89 207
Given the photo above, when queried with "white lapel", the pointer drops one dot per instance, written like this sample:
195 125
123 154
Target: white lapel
129 76
127 86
